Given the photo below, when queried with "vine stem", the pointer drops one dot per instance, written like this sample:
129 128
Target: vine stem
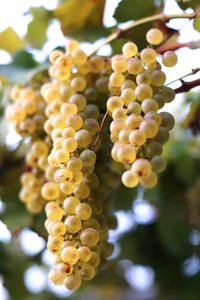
119 32
100 129
187 86
194 71
168 47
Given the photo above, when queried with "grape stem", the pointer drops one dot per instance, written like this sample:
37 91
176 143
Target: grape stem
118 32
169 47
100 129
194 71
187 86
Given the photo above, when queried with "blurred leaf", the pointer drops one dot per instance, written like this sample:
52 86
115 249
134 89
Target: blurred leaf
197 24
24 59
78 15
133 10
192 117
22 68
117 46
10 41
37 28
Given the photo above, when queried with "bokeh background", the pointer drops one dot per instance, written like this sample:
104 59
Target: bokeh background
157 242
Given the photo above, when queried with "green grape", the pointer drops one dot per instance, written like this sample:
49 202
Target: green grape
56 277
72 282
148 56
70 255
89 237
168 120
82 191
73 224
70 144
79 100
83 211
119 113
130 179
50 191
84 253
149 181
78 83
70 204
92 111
74 121
154 36
113 103
126 154
158 78
134 108
55 214
128 96
119 64
169 59
135 66
158 163
137 137
167 93
153 148
149 128
149 105
78 57
83 138
63 175
143 91
162 135
141 167
87 272
153 115
91 94
88 157
101 85
91 125
129 49
116 79
144 77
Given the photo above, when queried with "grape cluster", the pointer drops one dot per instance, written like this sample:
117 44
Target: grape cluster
27 114
77 230
67 166
27 111
138 130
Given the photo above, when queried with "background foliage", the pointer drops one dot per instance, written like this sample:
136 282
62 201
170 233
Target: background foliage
170 242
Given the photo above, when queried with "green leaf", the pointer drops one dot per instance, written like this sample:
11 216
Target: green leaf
10 41
133 10
78 15
37 28
22 68
24 59
196 24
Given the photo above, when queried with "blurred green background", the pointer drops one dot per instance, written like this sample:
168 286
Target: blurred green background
157 243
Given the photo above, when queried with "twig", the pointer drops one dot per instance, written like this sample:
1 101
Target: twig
119 32
194 71
187 86
100 129
167 47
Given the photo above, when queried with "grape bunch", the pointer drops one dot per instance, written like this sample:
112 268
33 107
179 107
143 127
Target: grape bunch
77 219
27 111
69 168
27 114
138 129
